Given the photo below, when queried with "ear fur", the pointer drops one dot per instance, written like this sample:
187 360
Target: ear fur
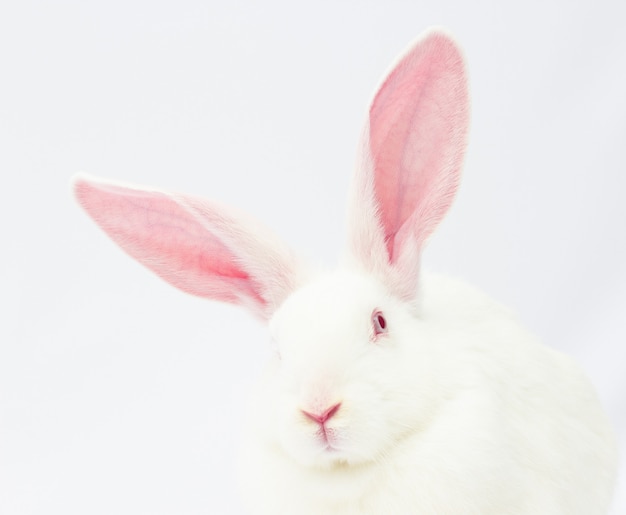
410 159
197 246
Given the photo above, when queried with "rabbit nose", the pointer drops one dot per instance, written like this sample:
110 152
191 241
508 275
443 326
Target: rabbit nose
321 418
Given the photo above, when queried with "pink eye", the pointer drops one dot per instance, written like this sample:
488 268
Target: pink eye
379 323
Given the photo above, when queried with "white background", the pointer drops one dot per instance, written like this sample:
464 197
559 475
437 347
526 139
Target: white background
120 395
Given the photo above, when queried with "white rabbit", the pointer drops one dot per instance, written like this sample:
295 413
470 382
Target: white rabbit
390 392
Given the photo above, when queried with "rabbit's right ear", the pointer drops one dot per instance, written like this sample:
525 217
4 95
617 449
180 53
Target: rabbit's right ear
197 246
411 154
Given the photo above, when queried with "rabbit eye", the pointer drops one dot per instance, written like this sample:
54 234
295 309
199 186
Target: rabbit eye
379 323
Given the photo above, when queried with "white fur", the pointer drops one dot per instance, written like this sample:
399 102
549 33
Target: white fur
458 411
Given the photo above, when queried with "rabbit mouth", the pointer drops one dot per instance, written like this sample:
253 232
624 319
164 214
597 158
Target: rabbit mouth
329 441
327 437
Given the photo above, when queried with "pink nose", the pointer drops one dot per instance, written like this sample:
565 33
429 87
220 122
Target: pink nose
321 418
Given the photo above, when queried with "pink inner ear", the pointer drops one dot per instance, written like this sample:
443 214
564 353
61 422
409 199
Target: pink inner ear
417 130
160 233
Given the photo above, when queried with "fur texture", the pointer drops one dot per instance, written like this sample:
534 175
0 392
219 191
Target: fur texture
375 402
457 412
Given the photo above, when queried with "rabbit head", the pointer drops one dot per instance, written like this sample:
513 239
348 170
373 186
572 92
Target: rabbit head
339 334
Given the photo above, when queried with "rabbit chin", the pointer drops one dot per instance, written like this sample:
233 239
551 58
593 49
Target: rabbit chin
332 448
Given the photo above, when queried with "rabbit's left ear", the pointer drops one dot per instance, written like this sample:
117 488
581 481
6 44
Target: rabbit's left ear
411 154
199 247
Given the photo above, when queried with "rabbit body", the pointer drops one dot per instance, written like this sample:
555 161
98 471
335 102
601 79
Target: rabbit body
390 392
492 421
